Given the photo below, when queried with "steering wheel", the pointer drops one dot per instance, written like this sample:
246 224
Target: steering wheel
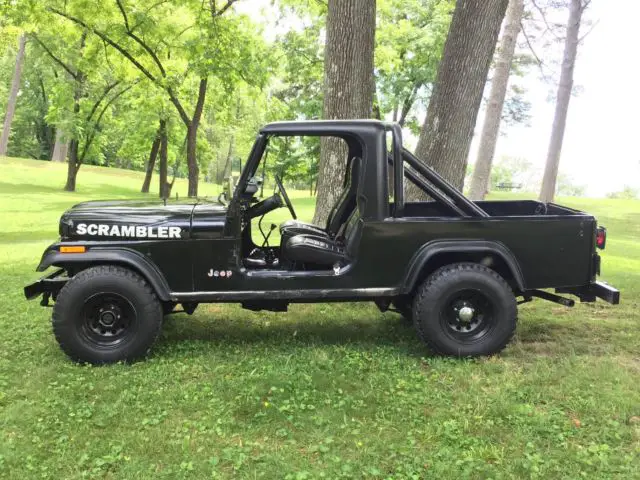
286 197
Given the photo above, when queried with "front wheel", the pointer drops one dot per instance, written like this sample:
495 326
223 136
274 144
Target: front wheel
465 310
106 314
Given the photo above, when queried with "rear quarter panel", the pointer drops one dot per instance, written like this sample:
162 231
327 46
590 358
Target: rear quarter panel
551 251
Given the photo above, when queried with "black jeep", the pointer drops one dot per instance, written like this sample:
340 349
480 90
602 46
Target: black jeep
457 268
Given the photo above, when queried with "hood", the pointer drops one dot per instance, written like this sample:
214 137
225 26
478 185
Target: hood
138 219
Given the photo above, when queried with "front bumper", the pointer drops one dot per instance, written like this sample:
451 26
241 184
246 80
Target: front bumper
591 291
48 285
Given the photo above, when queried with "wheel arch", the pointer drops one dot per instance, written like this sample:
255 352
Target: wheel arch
111 256
433 255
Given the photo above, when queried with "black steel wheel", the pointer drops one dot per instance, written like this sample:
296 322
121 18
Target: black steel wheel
465 310
468 315
106 314
107 318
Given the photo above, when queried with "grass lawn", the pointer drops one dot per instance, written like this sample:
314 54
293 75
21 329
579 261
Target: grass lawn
325 391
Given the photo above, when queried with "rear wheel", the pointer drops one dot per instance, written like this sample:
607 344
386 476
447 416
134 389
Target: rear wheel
106 314
465 310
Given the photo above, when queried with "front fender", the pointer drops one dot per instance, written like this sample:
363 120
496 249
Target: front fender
436 247
109 256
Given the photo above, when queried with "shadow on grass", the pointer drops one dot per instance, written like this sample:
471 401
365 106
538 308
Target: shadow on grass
534 338
105 190
49 208
388 330
554 338
28 236
20 189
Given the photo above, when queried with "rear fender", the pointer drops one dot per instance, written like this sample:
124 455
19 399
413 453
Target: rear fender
108 256
426 259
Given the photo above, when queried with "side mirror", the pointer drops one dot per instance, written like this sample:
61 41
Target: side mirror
253 185
229 186
227 191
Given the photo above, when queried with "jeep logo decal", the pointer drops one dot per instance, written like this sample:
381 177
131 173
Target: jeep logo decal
135 231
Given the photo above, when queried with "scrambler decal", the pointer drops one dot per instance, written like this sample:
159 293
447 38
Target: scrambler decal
135 231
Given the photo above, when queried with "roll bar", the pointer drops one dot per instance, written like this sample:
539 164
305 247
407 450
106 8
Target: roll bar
443 192
453 193
429 190
398 174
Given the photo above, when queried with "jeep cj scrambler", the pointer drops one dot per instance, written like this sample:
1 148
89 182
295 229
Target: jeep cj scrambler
456 268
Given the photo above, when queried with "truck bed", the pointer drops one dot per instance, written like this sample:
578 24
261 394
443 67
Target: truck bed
494 208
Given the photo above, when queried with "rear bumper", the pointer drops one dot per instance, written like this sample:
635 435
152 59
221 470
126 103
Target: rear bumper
591 291
49 284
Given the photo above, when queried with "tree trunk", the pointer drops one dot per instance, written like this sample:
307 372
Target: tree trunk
227 169
548 190
72 166
491 127
13 96
155 146
60 148
192 161
446 134
192 133
74 145
348 88
162 171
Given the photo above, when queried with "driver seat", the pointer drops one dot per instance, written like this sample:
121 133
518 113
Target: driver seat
324 252
339 214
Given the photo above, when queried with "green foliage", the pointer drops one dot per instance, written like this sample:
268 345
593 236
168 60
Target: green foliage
627 193
511 170
301 91
409 42
517 108
176 43
161 50
294 159
566 186
31 134
324 391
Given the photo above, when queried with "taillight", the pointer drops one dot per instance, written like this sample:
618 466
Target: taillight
601 237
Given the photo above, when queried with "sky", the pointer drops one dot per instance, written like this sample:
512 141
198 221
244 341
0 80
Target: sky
600 148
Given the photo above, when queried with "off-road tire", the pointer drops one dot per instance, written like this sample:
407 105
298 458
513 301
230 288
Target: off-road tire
433 311
77 336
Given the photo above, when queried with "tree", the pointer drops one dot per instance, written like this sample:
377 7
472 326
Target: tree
567 187
549 179
164 187
348 87
60 148
446 134
13 96
150 33
495 104
627 193
514 170
93 91
302 59
153 154
31 134
410 36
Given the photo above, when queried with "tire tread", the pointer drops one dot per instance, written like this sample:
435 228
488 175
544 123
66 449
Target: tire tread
151 306
444 273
